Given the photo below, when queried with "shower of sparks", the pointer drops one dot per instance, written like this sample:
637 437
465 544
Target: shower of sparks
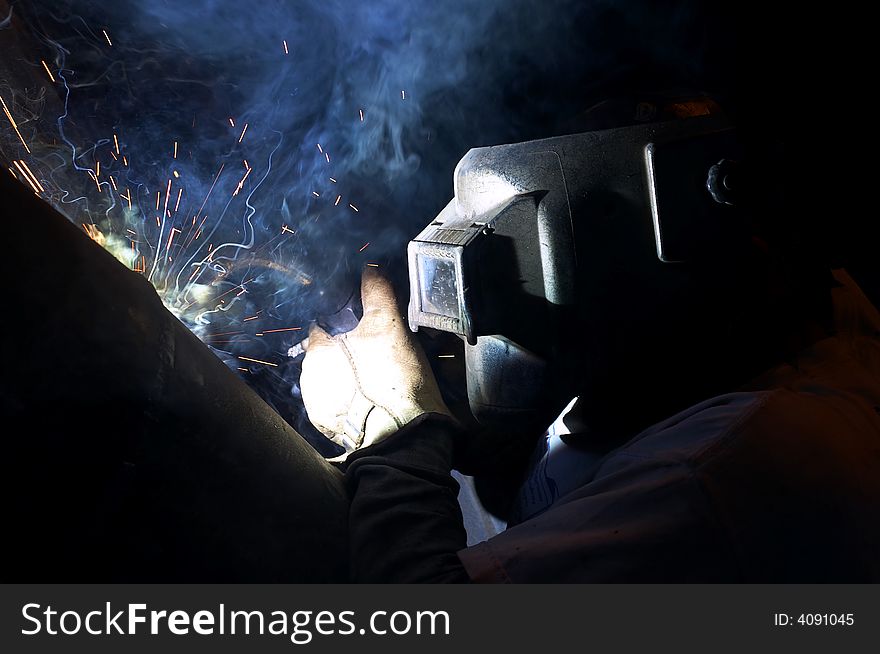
49 72
202 255
14 125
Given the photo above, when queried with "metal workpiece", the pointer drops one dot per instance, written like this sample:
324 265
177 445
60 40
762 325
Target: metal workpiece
132 453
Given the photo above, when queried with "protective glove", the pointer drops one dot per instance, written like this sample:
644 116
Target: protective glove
362 386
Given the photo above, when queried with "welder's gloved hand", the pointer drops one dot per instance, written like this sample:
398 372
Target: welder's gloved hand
362 386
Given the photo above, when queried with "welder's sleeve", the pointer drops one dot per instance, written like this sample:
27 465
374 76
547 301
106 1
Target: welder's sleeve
405 522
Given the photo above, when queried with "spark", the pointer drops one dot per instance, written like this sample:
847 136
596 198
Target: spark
364 247
34 177
98 169
246 164
445 356
95 179
402 94
286 229
167 195
327 156
243 369
128 197
373 265
338 198
285 329
320 149
175 150
94 233
316 194
225 334
171 238
125 160
116 143
113 154
234 287
361 112
285 47
176 174
179 193
108 38
253 317
333 180
196 235
231 122
14 126
241 183
242 132
158 199
196 271
51 77
354 207
113 181
27 179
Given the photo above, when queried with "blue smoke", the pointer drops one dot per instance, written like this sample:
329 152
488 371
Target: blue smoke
355 115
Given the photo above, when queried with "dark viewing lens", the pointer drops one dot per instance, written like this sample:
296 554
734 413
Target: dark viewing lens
438 289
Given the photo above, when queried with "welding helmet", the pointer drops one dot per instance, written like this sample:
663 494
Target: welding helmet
557 259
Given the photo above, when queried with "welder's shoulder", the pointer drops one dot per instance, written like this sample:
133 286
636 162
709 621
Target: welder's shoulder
779 428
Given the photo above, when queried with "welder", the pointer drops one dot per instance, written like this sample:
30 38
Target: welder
746 451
